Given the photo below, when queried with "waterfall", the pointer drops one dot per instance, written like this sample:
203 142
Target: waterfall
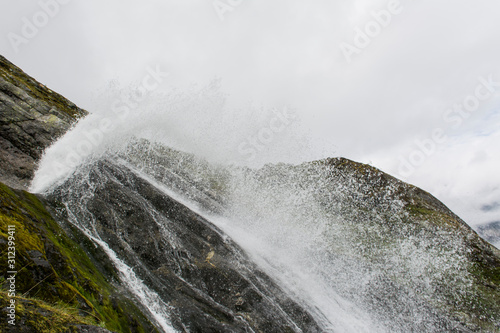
149 299
306 248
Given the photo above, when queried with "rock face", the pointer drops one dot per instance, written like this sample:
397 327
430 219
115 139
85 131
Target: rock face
393 212
64 282
59 266
419 259
31 118
209 282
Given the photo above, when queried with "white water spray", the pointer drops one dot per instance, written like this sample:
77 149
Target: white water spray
344 269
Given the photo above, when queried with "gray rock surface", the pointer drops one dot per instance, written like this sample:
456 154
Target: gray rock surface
210 282
31 117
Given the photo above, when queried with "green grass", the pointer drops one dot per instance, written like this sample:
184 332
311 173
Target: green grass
79 276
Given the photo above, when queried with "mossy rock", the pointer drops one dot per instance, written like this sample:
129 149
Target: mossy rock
33 117
14 75
61 272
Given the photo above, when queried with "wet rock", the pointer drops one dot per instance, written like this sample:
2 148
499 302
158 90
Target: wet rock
36 257
207 279
53 268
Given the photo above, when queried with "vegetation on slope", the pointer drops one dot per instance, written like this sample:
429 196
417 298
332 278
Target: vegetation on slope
32 118
61 281
20 79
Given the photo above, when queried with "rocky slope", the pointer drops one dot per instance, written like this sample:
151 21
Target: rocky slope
64 283
207 279
132 242
377 224
61 265
31 117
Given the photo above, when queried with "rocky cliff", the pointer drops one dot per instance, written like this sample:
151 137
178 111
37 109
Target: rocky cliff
31 117
63 282
403 254
67 282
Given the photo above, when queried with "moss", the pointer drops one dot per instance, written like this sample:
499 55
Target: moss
488 284
432 218
490 274
17 77
61 267
419 210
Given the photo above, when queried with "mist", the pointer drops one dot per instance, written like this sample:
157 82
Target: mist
287 81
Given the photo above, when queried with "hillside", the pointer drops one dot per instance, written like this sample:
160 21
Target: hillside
153 239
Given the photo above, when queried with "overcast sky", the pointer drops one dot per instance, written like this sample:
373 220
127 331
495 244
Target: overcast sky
407 86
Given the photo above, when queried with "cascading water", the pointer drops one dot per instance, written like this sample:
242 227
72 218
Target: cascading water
322 259
147 298
352 261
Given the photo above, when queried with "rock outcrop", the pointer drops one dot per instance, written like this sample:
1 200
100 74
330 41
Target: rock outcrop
365 216
208 280
31 117
64 283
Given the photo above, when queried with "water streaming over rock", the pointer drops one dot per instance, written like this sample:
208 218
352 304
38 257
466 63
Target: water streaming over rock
327 246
